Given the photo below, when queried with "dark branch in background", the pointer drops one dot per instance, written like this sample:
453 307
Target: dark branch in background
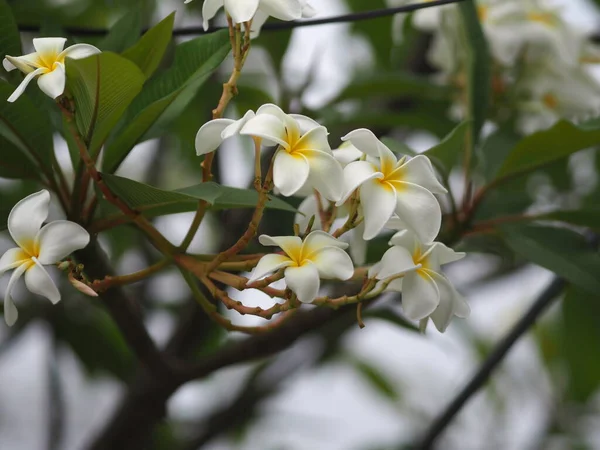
545 299
275 26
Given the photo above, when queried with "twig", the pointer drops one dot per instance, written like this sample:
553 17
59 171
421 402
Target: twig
550 294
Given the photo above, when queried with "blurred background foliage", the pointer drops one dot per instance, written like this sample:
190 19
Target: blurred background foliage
392 90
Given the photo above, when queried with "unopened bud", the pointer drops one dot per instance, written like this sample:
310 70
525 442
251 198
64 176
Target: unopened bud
65 265
82 287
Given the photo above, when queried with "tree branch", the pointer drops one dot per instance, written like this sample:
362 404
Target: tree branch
546 298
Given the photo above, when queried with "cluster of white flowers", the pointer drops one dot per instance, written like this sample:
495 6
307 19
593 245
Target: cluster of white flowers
257 11
363 175
541 60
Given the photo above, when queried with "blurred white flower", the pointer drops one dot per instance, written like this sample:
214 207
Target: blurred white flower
47 63
305 263
426 292
256 10
389 186
37 246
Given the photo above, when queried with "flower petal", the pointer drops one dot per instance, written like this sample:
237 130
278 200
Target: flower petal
26 63
303 281
268 264
305 123
419 210
420 295
48 49
53 83
307 209
10 310
209 10
364 140
259 20
387 159
21 87
394 261
355 174
291 245
12 258
358 246
317 240
438 254
325 175
443 313
406 239
314 139
39 282
290 172
307 10
418 170
209 136
26 218
266 126
333 263
378 200
347 153
59 239
241 11
79 51
236 126
282 9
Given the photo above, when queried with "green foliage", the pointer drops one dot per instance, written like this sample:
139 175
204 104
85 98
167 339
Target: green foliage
581 311
124 33
585 217
14 163
562 251
377 380
103 86
195 61
25 126
447 153
478 68
155 202
10 39
148 52
495 149
544 147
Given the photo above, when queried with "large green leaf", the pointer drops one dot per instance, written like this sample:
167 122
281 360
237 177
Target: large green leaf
195 61
124 33
544 147
478 68
26 126
154 202
10 39
103 86
585 217
448 152
14 163
582 342
392 85
495 149
148 52
562 251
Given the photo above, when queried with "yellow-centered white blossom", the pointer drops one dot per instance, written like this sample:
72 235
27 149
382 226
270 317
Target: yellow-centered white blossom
320 255
37 246
47 63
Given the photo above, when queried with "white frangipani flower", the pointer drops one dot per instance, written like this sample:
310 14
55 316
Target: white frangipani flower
47 63
320 255
37 246
426 292
259 10
389 186
303 157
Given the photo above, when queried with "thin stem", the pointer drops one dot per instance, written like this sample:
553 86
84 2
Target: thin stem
122 280
550 294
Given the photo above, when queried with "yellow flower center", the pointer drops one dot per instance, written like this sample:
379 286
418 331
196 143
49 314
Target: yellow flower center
543 18
482 12
49 61
550 100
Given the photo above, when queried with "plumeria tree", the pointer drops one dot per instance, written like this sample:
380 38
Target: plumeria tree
348 217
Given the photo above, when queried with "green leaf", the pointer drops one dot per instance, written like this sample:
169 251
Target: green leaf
103 86
195 61
14 163
26 126
154 202
124 33
589 217
562 251
148 52
10 39
392 85
96 340
582 342
448 152
495 149
377 380
544 147
478 68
